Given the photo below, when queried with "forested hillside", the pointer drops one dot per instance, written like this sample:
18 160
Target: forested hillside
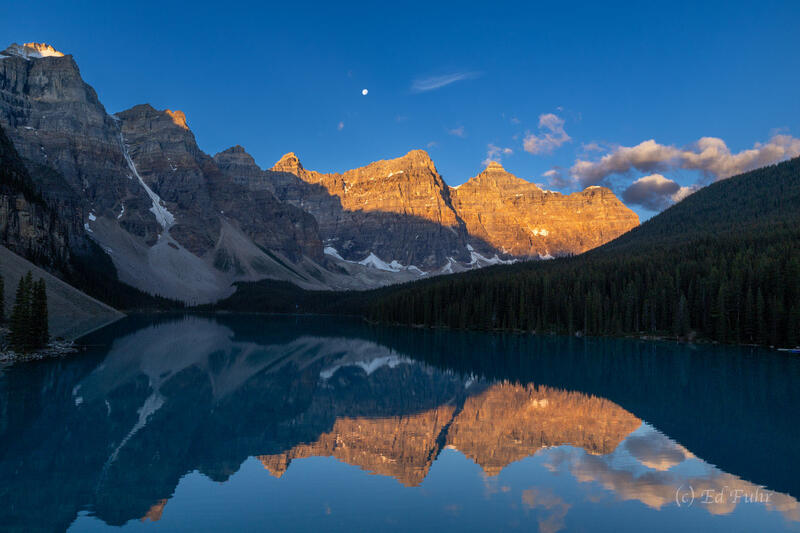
723 264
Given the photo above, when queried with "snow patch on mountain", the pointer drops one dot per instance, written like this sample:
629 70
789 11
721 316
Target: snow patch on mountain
370 366
163 216
448 268
538 231
374 261
480 260
330 250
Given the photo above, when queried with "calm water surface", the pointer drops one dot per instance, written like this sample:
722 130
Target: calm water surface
319 424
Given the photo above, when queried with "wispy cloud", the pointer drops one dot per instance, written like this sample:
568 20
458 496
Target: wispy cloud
555 178
422 85
593 146
495 153
340 126
432 144
551 136
458 132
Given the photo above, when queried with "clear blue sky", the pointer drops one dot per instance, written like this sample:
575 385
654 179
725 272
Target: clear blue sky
289 77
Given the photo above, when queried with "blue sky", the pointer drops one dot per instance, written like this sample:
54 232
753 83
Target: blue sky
578 82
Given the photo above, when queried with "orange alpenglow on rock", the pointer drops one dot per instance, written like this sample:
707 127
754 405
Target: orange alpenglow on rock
518 217
29 50
178 117
501 425
402 209
154 513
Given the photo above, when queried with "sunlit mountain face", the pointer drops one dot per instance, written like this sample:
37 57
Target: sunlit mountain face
238 423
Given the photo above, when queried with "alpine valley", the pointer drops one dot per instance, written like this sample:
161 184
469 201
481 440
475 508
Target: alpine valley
128 208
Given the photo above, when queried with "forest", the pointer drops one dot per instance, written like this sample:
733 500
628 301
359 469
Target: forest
722 265
27 326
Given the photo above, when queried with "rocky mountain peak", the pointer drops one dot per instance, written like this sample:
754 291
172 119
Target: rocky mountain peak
147 111
597 189
238 149
139 110
516 216
178 118
288 163
31 51
494 175
417 158
236 157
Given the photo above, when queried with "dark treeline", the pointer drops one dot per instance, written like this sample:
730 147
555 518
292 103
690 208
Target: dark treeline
744 290
28 322
724 264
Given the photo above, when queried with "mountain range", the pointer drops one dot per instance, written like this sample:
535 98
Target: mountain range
133 196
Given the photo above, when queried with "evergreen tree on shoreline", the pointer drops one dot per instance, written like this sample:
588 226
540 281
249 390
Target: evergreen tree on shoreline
28 322
20 316
2 300
39 334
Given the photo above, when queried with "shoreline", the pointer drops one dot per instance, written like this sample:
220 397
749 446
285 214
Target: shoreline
53 350
642 337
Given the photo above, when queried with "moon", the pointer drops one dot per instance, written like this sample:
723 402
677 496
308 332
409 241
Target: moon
364 92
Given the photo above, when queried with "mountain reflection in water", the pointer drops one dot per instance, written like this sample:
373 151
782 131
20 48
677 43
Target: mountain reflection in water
108 437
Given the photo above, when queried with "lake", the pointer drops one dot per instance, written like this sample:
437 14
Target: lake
255 423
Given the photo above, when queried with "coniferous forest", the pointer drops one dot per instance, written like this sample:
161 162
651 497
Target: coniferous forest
724 265
28 321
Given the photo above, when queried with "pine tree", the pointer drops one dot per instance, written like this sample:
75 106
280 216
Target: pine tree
40 335
20 315
2 300
681 326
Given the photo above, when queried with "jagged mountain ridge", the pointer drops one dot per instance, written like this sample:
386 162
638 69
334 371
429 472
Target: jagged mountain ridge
85 167
494 212
178 223
521 219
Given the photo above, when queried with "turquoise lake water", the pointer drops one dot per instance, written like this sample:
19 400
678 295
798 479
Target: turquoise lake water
259 423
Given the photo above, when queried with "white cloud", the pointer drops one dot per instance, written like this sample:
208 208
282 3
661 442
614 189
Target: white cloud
593 146
552 135
655 192
340 126
555 178
421 85
495 153
432 144
458 132
709 155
